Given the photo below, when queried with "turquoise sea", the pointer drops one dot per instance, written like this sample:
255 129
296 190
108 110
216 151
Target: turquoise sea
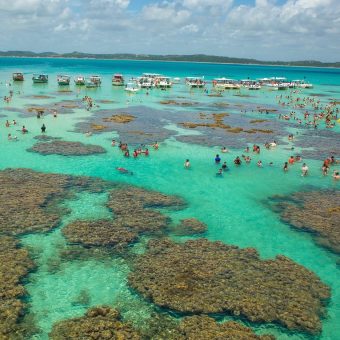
234 207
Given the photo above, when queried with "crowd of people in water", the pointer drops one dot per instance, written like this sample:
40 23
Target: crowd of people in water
327 113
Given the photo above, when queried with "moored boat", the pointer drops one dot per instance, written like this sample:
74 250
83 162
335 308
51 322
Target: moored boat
63 80
163 82
226 84
195 82
117 80
40 78
131 87
96 80
18 76
80 80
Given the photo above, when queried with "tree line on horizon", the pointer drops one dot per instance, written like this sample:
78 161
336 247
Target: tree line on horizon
170 57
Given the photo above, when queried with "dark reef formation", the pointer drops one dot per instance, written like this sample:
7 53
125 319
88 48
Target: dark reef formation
210 277
105 323
190 226
98 323
15 264
65 148
317 212
134 214
30 200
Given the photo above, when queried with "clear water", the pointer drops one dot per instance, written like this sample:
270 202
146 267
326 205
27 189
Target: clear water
233 207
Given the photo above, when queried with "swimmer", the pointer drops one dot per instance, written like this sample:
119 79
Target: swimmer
225 166
187 164
113 142
237 161
217 159
291 160
43 128
336 175
304 170
285 167
259 164
24 130
7 123
155 146
146 152
88 134
124 171
224 150
219 172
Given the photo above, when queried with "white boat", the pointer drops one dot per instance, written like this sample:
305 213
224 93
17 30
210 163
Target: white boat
163 82
117 80
176 80
303 84
145 82
96 80
250 84
226 84
90 84
63 80
254 87
131 87
195 82
80 80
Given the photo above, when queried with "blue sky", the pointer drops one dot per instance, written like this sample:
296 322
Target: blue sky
261 29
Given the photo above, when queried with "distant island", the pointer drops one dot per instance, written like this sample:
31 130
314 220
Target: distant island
173 57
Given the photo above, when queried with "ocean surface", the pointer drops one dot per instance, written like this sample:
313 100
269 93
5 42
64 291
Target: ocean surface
234 207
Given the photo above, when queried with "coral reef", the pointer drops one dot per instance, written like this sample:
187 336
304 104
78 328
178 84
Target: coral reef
65 148
317 212
197 327
200 276
178 103
121 118
190 226
98 323
14 265
33 198
132 218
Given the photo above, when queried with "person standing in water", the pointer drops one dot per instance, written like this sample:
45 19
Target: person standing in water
43 128
304 170
187 164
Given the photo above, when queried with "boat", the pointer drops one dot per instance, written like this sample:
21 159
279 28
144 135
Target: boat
80 80
18 76
40 78
96 80
90 84
176 80
250 84
63 80
145 82
118 80
303 84
195 82
131 87
163 82
226 84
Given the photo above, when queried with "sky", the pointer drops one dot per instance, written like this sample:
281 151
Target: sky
261 29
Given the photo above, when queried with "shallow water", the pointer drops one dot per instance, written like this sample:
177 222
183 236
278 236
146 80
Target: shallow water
234 207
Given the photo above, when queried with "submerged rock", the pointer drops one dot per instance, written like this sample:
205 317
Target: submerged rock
15 264
317 212
65 148
134 216
98 323
210 277
30 200
190 226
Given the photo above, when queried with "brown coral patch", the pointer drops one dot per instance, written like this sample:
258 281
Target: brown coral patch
317 212
98 323
256 121
121 118
135 214
29 199
200 276
190 226
177 103
14 265
65 148
98 127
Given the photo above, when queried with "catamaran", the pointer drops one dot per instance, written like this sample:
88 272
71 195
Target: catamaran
226 84
40 78
195 82
131 87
